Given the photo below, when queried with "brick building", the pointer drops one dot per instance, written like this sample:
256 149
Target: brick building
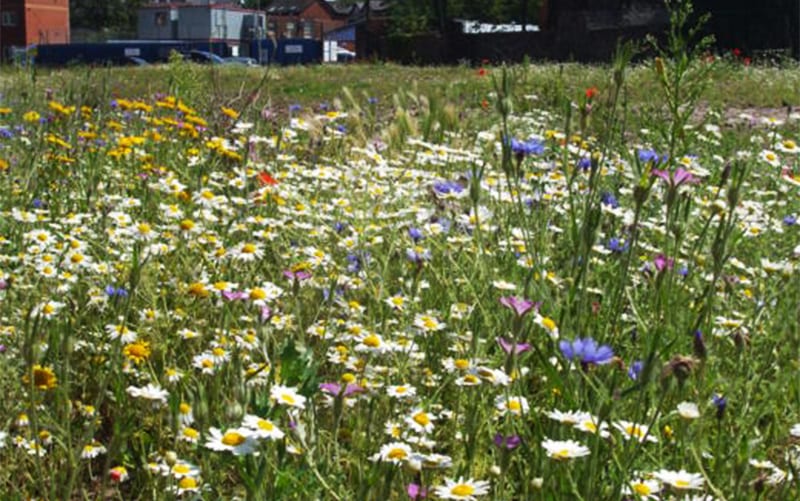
305 18
26 22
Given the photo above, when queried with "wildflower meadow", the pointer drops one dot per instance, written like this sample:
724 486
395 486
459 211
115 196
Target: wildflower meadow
508 284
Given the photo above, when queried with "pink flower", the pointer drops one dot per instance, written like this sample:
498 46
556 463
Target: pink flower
508 346
663 262
679 177
519 305
415 491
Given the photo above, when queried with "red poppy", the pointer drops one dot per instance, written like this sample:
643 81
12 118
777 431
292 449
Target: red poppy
746 61
737 52
591 92
266 179
482 72
485 104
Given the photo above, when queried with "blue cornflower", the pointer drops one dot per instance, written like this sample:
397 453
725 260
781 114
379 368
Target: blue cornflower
294 107
607 198
790 220
37 203
586 351
648 156
372 100
447 187
526 148
635 369
341 128
415 234
720 403
617 245
584 163
6 133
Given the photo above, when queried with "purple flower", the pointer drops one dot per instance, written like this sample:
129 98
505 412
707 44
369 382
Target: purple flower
266 313
3 284
299 275
586 351
234 295
790 220
609 199
509 347
418 255
720 403
648 156
415 234
616 245
415 491
335 389
510 442
520 306
526 148
447 187
663 262
635 369
679 177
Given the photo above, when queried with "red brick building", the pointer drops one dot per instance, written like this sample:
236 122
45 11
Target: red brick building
305 18
25 22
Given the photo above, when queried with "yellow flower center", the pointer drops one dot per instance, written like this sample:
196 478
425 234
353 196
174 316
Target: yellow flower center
634 431
681 484
191 433
397 453
514 405
232 439
265 425
181 469
372 341
562 454
642 489
548 323
461 364
187 483
248 249
288 398
422 419
462 490
184 408
258 294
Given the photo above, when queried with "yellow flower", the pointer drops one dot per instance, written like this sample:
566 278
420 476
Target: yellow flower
231 113
31 116
43 378
138 352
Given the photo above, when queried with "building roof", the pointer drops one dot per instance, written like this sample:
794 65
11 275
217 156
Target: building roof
295 7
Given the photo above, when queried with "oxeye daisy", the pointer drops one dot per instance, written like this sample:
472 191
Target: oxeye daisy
420 421
680 480
562 450
262 428
512 405
402 391
238 441
287 396
461 489
634 431
151 392
394 452
184 469
642 489
189 434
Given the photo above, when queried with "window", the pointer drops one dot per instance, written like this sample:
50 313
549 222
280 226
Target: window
9 19
288 30
308 29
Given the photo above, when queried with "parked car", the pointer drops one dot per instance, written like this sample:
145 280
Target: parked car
245 61
135 61
203 57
